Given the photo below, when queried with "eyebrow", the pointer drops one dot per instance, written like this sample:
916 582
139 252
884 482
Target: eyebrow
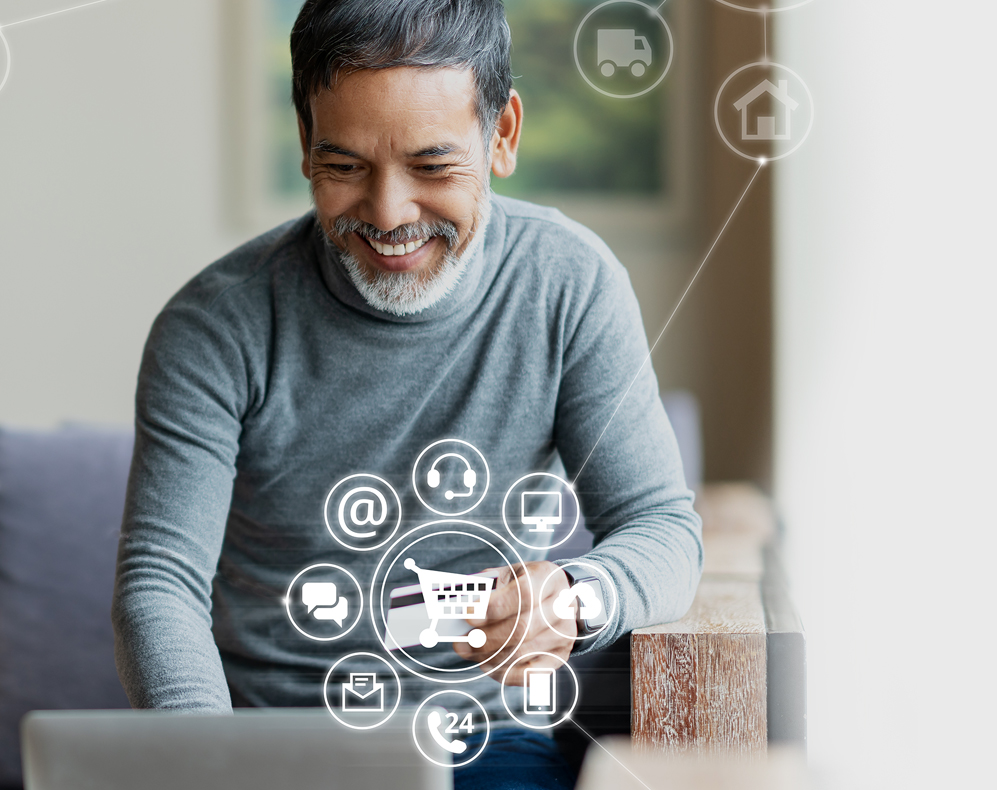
443 149
325 147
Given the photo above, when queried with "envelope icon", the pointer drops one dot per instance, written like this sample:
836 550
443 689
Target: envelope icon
363 693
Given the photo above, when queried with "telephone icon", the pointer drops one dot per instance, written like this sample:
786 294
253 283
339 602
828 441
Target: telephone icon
590 604
435 722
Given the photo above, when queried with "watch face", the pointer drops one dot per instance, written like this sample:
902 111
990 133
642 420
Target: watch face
589 600
592 614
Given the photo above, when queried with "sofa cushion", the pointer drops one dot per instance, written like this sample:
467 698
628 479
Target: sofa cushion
62 495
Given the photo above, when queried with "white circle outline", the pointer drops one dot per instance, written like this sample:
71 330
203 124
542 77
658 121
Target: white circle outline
657 82
6 47
609 583
565 716
383 641
716 112
415 484
287 602
764 10
566 484
325 512
484 713
392 565
325 691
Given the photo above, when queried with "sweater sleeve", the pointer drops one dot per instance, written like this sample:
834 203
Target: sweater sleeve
192 392
619 448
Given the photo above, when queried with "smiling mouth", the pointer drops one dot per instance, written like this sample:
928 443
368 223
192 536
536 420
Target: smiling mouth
389 250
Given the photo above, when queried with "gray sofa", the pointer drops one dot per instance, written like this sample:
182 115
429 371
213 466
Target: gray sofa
61 497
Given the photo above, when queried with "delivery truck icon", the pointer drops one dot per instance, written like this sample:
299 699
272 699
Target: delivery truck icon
622 49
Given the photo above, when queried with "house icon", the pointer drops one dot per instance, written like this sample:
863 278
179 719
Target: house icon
766 126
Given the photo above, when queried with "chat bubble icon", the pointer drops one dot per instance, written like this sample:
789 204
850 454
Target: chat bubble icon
318 594
337 612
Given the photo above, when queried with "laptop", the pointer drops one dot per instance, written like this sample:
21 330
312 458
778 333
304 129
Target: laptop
249 750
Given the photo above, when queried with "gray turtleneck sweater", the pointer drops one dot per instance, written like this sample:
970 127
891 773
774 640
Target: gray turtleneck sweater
267 379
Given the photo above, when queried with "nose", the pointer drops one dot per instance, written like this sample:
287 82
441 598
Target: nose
389 202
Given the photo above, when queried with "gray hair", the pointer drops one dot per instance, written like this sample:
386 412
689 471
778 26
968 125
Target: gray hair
337 37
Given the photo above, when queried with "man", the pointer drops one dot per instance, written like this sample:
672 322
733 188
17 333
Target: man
411 306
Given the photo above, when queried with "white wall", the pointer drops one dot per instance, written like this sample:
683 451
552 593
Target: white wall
109 195
887 385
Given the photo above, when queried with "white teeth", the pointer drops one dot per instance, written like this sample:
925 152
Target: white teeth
398 249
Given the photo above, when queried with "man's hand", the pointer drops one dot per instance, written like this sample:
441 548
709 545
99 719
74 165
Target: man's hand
511 597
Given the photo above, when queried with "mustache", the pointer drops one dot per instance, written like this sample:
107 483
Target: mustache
343 226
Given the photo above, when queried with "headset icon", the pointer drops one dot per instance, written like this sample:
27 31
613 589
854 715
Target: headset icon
470 478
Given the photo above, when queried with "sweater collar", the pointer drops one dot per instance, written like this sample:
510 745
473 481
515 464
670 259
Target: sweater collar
470 289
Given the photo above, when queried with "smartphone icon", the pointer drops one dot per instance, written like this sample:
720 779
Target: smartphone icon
540 691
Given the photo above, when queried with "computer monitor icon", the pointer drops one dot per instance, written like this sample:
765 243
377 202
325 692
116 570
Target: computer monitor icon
541 509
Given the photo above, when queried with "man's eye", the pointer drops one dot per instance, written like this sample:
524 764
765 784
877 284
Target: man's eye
343 168
433 168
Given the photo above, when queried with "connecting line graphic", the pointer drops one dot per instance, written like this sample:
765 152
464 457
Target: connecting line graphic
51 13
6 47
761 163
765 34
592 738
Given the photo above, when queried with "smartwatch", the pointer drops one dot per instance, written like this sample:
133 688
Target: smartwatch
592 612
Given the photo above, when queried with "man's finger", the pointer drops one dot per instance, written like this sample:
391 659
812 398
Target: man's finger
507 600
515 623
529 628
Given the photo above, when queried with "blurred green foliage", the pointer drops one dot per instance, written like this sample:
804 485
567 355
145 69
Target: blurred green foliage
574 138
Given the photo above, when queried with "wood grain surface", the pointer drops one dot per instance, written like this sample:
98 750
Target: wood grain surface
698 684
721 606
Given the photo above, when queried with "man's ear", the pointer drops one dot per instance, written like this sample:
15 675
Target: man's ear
505 138
306 150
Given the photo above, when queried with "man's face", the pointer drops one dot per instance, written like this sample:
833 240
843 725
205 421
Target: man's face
399 173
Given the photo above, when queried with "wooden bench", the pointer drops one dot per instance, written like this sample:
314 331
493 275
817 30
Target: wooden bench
729 678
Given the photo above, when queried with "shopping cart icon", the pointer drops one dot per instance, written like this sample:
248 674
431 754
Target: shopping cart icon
452 596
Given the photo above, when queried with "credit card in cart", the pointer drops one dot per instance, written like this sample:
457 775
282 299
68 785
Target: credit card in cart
408 616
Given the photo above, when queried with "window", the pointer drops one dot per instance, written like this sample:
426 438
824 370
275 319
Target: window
284 179
576 140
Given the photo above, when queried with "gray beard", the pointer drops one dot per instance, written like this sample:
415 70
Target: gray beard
406 293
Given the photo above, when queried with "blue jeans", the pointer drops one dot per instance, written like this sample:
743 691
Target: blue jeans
515 759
